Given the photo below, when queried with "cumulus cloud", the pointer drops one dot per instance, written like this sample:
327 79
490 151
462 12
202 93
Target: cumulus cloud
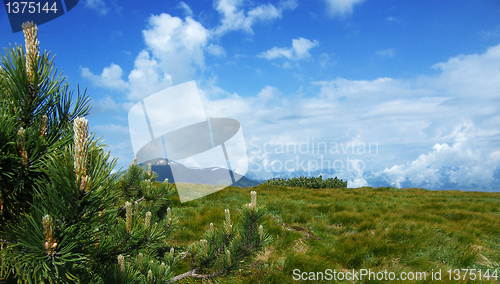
177 44
341 8
464 164
463 75
216 50
299 50
175 48
111 77
435 132
106 104
424 133
268 93
97 5
357 182
235 18
174 52
412 125
147 77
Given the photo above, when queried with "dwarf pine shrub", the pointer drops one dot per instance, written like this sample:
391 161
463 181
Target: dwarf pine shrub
36 120
66 218
311 182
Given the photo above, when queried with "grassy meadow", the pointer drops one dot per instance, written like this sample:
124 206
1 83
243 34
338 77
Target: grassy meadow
398 230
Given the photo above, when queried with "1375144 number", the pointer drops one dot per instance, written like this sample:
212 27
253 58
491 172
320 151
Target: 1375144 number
30 7
472 274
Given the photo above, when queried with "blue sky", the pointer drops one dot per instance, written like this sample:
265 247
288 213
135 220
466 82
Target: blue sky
418 79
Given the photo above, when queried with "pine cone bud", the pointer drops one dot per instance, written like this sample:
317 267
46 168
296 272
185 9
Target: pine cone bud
21 133
261 231
147 220
135 162
48 228
169 216
21 143
80 129
149 169
211 229
228 254
253 194
172 253
128 208
166 181
140 260
32 47
162 266
121 264
85 183
150 276
204 244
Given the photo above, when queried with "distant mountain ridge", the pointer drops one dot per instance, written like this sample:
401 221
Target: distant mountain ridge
213 175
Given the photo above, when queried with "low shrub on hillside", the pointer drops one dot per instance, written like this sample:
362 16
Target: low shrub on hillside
312 182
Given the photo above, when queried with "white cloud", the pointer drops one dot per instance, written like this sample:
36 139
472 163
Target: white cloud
289 4
186 8
234 17
175 47
466 163
177 44
268 93
390 52
356 183
491 33
341 8
424 133
299 50
147 78
465 75
216 50
112 128
109 78
301 47
325 60
175 51
276 52
393 20
106 104
226 105
433 132
97 5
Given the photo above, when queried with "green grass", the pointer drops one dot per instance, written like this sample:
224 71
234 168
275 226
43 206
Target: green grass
398 230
